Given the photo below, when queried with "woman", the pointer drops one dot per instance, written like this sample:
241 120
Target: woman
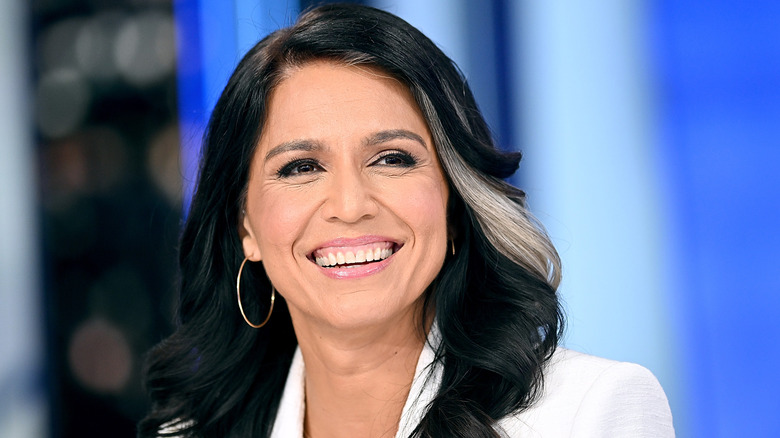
351 200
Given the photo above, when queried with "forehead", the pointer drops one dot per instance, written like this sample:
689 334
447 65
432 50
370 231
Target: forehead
318 72
325 97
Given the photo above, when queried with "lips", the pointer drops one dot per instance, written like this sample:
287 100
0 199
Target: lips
352 253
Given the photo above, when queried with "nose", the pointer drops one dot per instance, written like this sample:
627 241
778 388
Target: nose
350 198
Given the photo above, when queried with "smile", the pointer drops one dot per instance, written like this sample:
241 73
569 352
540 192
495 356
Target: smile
346 256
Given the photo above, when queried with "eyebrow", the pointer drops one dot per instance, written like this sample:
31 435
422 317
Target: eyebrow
293 145
372 140
392 134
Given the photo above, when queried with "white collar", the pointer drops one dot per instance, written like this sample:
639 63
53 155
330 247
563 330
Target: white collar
427 378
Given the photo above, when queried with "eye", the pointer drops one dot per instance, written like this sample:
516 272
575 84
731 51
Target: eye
396 159
298 167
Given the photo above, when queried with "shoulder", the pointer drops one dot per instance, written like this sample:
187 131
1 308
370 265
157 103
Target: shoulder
585 395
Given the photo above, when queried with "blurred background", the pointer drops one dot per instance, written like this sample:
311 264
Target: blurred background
651 136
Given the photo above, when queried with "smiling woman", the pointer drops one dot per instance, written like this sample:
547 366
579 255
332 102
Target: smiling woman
345 166
348 168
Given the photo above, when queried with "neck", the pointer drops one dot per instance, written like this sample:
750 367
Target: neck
357 380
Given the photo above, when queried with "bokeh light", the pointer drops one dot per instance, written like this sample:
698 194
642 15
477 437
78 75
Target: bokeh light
94 45
144 50
110 197
164 165
62 100
100 357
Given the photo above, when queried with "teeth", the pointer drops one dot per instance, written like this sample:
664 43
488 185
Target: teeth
349 257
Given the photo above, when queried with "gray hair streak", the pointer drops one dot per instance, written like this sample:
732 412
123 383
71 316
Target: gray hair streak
506 223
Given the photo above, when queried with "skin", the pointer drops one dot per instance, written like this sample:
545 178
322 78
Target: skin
346 154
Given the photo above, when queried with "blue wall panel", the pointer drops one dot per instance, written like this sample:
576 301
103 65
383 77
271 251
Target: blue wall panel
212 36
719 82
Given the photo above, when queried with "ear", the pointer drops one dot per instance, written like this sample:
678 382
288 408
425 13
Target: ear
249 239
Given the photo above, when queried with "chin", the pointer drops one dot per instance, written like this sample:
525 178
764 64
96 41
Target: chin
370 313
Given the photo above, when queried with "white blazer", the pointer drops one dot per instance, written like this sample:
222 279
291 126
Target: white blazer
583 396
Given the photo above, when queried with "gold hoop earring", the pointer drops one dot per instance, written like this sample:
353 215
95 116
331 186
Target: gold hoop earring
452 245
241 307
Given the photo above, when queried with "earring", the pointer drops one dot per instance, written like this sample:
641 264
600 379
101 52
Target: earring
241 307
452 245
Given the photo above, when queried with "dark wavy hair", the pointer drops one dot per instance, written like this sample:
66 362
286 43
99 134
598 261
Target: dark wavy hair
494 302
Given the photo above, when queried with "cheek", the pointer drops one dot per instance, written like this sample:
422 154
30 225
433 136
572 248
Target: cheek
281 216
425 208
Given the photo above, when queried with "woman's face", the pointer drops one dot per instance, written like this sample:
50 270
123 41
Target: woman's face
346 204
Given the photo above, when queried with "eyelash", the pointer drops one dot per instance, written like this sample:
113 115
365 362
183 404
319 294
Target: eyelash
407 159
292 168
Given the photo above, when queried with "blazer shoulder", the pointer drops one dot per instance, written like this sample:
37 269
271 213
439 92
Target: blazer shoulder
584 371
585 395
